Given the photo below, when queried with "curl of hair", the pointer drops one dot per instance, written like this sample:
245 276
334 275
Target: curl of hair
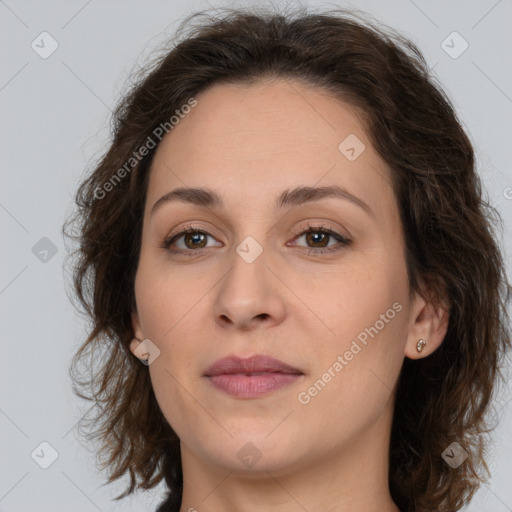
451 249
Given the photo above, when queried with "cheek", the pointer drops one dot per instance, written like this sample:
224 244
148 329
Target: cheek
167 305
353 380
359 358
164 298
174 377
353 299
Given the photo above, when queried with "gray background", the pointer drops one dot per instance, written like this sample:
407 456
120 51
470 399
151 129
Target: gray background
55 121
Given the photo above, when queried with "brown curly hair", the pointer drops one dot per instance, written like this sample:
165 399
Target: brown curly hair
448 227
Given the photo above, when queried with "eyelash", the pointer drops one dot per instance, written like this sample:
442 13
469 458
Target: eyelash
190 229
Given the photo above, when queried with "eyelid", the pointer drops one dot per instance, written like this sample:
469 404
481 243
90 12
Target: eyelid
343 241
189 228
321 227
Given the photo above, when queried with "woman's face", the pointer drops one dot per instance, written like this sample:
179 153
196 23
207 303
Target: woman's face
338 314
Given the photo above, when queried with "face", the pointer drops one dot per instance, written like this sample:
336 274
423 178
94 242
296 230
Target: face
331 304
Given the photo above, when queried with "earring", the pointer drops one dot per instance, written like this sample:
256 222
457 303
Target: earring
420 345
140 351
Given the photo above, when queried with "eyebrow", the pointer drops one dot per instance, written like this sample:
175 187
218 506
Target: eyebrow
290 197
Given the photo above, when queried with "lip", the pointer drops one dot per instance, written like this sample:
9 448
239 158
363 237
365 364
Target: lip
251 377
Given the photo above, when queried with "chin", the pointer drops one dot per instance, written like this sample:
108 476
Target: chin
254 453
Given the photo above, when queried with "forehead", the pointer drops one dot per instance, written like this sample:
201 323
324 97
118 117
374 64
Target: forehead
255 140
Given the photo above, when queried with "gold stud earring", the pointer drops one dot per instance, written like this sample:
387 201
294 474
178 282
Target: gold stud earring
420 345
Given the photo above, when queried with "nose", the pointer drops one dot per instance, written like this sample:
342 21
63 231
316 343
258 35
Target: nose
250 295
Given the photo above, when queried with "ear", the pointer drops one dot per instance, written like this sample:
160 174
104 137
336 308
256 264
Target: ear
428 322
137 332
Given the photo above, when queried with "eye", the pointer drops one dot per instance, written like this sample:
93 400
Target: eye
319 236
192 238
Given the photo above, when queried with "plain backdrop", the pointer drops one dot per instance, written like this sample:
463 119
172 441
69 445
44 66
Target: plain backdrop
55 110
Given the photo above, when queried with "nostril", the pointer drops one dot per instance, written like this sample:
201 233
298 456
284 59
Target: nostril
226 319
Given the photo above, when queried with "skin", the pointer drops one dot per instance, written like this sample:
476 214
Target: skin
249 143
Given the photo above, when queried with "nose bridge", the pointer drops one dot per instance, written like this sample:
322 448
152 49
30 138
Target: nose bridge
248 292
248 280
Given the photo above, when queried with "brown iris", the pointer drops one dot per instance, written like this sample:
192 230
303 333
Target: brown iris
195 237
315 235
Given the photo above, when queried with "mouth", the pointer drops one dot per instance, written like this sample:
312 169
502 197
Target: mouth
251 377
259 364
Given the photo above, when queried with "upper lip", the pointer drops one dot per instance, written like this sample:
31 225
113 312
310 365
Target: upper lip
254 364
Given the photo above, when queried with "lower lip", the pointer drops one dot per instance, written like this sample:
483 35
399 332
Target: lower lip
245 386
